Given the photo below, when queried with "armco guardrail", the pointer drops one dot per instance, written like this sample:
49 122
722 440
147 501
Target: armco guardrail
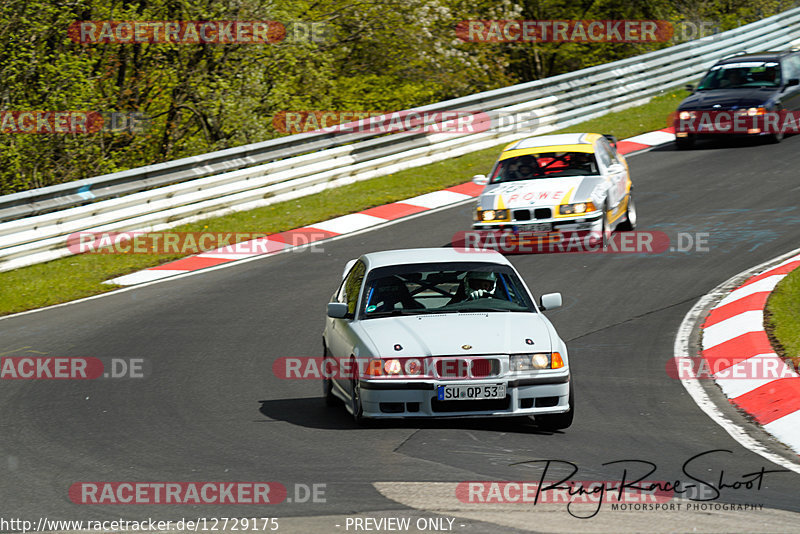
280 169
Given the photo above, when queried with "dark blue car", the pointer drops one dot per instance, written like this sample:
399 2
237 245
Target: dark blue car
744 94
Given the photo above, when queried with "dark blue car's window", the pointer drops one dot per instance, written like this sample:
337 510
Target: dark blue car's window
742 74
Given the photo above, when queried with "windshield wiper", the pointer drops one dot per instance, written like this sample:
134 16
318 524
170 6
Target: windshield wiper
481 309
392 313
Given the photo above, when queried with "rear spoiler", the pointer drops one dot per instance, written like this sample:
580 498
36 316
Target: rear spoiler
611 139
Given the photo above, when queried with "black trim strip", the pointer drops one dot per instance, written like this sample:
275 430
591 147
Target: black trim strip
539 380
423 386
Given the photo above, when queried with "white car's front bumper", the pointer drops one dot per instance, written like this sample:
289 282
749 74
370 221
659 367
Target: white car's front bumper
383 399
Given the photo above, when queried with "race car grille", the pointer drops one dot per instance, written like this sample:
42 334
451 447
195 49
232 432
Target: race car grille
461 368
542 213
488 405
483 368
522 215
452 368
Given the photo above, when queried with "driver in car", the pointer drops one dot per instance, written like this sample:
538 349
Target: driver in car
480 285
582 161
526 168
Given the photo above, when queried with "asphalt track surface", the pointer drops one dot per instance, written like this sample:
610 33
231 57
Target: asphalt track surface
210 408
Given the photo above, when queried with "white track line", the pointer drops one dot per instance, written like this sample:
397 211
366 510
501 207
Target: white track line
693 387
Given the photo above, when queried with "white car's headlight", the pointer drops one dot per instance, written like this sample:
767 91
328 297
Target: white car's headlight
532 362
394 367
576 209
492 215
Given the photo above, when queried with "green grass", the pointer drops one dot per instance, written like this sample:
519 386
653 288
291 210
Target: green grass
80 276
783 317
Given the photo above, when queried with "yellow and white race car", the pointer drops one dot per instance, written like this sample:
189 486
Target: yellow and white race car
549 186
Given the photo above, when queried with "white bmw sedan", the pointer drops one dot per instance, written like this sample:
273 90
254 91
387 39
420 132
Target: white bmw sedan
444 333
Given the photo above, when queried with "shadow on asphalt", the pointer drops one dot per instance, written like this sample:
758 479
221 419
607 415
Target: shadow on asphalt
312 413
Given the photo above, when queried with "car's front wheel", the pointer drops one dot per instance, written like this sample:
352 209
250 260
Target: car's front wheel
355 398
327 382
775 138
606 231
601 238
558 421
684 143
630 216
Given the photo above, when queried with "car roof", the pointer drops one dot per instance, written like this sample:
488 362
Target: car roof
430 255
756 56
569 142
540 141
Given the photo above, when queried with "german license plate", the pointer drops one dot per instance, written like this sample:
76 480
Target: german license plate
471 392
535 227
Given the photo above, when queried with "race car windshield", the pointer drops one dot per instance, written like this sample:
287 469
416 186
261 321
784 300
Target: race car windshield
443 288
544 165
742 75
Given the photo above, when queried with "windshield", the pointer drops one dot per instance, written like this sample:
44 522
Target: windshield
544 165
742 74
443 288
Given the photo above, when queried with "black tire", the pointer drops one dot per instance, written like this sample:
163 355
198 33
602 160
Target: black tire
606 230
775 138
355 399
327 383
684 143
600 242
558 421
629 224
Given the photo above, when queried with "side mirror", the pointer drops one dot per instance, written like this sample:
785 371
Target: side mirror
792 81
689 87
616 168
337 310
480 179
550 301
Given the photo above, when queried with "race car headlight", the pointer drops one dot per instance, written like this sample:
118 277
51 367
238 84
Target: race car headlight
392 367
535 361
540 361
575 209
493 215
686 115
413 366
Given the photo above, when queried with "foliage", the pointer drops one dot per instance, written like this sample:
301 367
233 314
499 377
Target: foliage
373 55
